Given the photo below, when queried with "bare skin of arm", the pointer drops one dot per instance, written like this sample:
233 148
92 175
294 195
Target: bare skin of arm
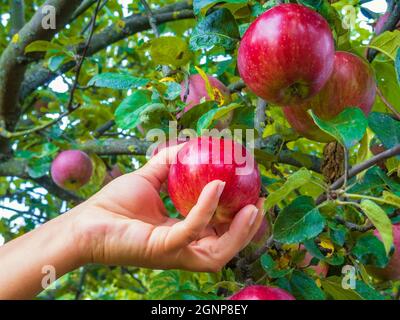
126 223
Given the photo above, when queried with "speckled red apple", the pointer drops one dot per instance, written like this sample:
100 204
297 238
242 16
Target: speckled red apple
286 55
202 160
351 84
257 292
71 169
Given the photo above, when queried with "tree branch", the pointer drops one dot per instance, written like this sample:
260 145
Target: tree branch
39 75
17 12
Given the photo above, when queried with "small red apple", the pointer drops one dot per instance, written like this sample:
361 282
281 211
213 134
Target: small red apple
204 159
198 92
262 293
286 55
392 270
71 169
351 84
321 269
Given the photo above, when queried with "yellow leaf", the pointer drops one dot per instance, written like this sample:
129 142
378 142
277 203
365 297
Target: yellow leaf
167 79
15 38
209 88
327 244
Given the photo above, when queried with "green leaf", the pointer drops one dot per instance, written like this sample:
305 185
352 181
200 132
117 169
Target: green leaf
295 181
397 65
127 115
117 81
312 248
202 6
367 292
391 199
386 128
387 43
43 46
270 267
172 51
348 127
304 287
333 287
299 221
173 90
218 28
191 117
314 4
207 119
370 251
380 220
39 167
56 62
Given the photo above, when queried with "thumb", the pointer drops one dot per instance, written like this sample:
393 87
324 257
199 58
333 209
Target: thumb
186 231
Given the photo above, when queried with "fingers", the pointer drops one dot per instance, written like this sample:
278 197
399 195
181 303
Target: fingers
241 231
190 229
157 168
211 254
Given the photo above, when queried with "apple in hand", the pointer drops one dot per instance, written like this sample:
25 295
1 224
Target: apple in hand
286 55
351 84
71 169
204 159
258 292
198 91
392 270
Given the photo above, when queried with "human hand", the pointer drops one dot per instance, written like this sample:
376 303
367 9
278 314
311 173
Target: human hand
126 223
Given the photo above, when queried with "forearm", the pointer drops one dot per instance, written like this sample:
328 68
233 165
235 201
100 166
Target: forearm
25 261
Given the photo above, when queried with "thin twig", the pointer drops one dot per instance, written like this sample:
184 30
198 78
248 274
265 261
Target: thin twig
10 135
83 55
387 103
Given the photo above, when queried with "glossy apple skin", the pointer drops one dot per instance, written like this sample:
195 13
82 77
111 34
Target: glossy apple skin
321 269
262 293
392 270
286 55
71 169
352 84
198 92
204 159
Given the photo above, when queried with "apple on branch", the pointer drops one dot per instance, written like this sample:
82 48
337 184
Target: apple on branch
71 169
286 55
352 84
258 292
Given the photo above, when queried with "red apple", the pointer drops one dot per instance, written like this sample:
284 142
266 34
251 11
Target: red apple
261 232
351 84
71 169
286 55
392 270
198 92
321 269
262 293
204 159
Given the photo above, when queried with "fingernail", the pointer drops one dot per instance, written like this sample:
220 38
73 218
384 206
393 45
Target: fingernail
253 217
220 189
